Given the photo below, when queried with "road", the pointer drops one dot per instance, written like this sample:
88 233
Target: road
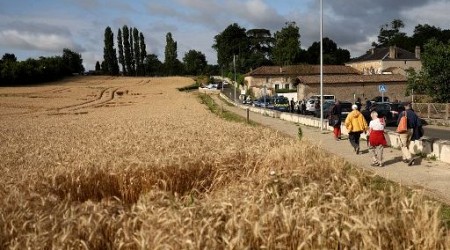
432 131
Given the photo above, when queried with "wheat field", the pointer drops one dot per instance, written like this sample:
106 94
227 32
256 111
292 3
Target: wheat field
132 163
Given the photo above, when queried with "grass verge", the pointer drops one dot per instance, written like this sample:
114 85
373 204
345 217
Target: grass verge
219 111
191 87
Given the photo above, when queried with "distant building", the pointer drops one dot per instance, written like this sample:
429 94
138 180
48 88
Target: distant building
276 78
387 60
351 87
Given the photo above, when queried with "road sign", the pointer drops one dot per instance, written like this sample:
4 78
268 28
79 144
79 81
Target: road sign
382 88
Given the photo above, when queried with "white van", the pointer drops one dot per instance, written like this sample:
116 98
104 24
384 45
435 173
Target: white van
314 101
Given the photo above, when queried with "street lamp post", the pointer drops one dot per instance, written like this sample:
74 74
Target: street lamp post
234 66
321 65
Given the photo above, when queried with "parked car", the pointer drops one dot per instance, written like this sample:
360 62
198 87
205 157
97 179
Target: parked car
281 103
380 99
262 102
311 105
387 110
346 108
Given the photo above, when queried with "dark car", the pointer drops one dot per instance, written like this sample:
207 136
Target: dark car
281 103
387 110
380 99
346 108
263 102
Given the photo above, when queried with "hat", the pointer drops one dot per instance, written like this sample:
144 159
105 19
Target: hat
354 106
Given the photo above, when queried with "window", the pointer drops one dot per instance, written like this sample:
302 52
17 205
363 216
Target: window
267 79
286 86
277 86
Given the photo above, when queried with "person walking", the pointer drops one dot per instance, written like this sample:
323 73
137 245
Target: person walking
377 141
356 125
335 120
292 105
413 132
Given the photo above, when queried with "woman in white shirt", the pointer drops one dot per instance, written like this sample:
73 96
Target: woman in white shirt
377 141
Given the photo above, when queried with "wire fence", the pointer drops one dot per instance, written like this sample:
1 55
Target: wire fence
432 110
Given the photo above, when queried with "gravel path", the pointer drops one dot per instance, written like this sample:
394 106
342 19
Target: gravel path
431 176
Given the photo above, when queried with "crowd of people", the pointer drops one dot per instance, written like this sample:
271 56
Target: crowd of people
356 124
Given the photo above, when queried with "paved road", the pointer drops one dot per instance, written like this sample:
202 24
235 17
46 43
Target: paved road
430 176
432 131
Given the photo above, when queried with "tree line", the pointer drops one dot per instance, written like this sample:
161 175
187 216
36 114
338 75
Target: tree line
434 77
258 47
132 56
43 69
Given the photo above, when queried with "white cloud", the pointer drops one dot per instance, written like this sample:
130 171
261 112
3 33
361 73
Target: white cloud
435 13
36 41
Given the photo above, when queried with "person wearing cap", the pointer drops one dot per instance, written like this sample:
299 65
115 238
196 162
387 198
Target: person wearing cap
413 133
356 125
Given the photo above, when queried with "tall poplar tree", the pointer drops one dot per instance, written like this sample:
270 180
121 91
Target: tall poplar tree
127 49
170 55
133 64
120 46
143 51
137 51
109 53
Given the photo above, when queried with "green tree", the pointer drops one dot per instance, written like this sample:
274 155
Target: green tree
435 73
72 61
390 35
109 53
331 53
170 55
137 50
127 49
121 52
261 44
287 44
153 66
97 67
194 62
233 41
132 54
143 52
7 57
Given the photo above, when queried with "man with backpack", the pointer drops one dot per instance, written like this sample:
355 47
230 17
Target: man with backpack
409 129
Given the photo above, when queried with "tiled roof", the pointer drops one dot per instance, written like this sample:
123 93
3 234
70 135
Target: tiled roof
383 54
330 79
303 69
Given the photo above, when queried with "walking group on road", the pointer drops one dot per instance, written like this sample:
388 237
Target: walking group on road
409 129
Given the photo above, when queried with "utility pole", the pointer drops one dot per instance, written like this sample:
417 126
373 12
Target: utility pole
321 64
234 66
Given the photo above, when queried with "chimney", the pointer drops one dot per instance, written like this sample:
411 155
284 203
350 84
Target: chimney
372 51
417 52
392 52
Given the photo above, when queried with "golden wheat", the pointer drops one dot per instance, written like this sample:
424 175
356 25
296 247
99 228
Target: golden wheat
152 168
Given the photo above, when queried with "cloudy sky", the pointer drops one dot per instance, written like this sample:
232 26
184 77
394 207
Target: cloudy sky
30 28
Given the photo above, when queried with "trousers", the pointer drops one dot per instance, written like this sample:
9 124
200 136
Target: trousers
405 139
354 137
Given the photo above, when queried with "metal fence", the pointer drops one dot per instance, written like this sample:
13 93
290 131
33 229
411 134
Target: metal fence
432 110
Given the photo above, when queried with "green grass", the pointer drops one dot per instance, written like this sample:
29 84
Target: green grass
445 215
219 111
193 86
226 102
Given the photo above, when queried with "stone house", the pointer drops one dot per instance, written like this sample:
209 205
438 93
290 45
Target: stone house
275 78
387 60
349 87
